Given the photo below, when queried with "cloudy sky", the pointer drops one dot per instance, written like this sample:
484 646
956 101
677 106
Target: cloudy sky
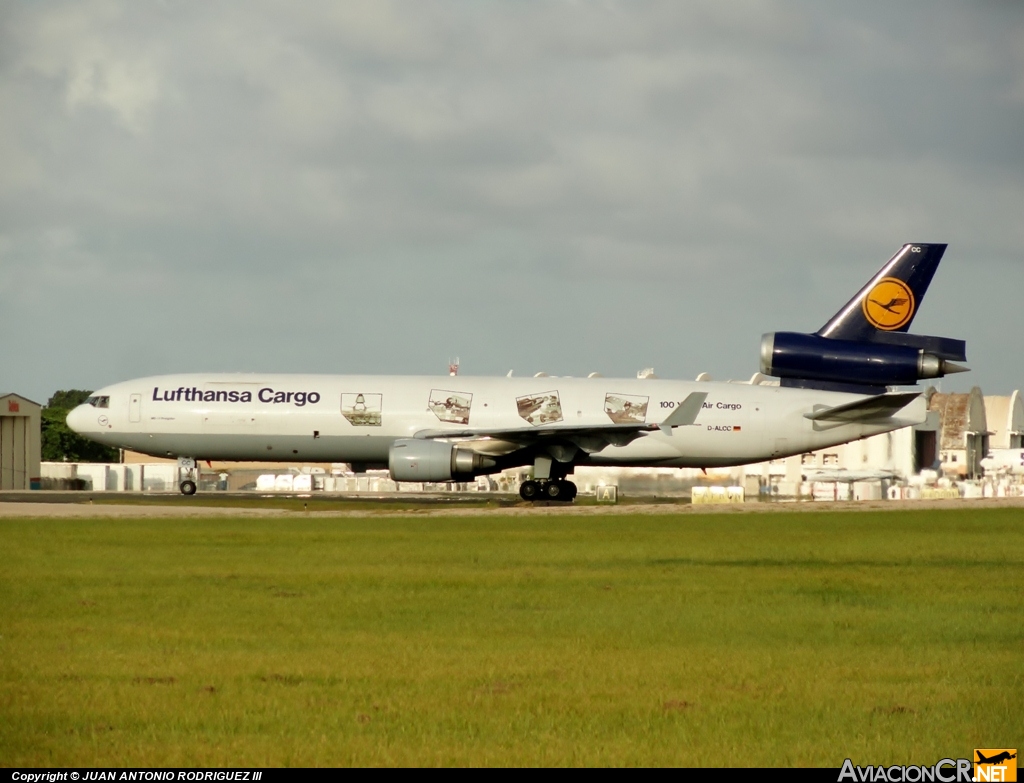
376 186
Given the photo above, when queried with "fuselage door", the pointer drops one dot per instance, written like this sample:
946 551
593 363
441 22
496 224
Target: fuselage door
135 409
756 421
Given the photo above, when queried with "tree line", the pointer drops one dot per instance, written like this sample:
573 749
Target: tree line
61 443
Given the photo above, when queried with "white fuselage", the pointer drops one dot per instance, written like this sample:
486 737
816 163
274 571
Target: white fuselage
355 419
1004 461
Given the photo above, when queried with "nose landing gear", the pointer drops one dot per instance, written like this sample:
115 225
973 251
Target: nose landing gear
188 472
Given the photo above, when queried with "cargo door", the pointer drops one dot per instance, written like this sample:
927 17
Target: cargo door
781 447
757 427
227 422
135 409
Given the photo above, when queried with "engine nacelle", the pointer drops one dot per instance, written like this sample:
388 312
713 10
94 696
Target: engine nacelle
431 460
810 357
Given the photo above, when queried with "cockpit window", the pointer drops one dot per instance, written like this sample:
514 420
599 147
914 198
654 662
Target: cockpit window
98 402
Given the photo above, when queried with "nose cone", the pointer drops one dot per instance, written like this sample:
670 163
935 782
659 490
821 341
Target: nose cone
79 418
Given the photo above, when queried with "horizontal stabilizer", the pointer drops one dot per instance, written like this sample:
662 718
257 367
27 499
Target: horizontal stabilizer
881 406
686 412
943 347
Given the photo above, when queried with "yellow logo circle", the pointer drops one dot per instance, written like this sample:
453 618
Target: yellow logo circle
889 305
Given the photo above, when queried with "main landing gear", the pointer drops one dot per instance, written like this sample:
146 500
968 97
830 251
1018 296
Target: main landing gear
549 482
558 489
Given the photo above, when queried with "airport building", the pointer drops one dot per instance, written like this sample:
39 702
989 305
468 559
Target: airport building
1005 418
20 441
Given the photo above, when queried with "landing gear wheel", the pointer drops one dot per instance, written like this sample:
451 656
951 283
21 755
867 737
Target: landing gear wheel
529 490
555 490
560 490
188 488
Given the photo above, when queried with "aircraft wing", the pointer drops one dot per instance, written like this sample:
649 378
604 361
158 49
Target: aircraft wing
590 438
868 409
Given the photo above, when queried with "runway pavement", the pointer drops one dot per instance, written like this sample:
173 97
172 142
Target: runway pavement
71 505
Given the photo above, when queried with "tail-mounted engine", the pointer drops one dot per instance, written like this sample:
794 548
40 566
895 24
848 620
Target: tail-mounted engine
431 460
901 360
866 346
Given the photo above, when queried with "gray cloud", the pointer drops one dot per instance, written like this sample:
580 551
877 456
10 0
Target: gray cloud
373 187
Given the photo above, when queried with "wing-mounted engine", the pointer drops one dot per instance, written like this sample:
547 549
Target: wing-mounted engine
432 460
865 347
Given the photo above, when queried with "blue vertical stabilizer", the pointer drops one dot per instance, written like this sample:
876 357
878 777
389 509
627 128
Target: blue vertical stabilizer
889 302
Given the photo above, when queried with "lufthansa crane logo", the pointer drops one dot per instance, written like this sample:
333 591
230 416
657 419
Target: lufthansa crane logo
889 305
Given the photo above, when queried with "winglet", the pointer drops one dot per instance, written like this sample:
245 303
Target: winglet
685 413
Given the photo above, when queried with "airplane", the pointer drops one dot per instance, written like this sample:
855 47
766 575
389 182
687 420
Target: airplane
1004 461
845 476
832 387
996 759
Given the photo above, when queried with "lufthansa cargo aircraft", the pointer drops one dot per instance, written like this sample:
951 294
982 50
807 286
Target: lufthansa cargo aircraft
832 388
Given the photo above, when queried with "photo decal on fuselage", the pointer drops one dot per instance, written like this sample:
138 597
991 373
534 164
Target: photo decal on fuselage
450 406
362 409
543 408
626 408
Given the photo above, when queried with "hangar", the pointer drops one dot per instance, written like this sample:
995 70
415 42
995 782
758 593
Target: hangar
20 441
964 435
1005 419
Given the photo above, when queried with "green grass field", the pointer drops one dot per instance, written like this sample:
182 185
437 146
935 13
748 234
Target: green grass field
774 639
